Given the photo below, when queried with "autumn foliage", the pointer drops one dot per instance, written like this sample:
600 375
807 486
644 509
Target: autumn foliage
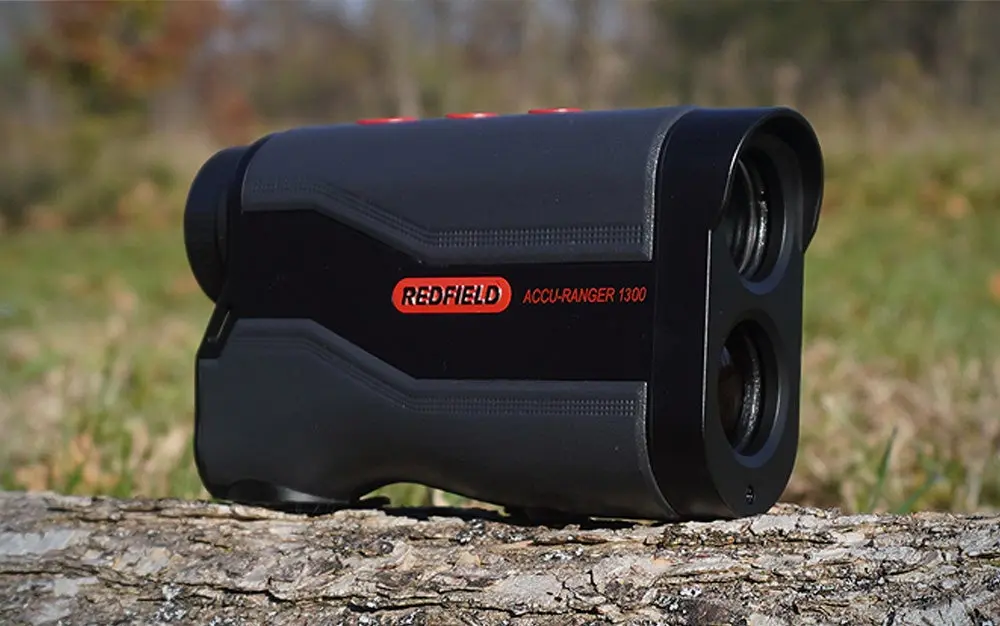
113 56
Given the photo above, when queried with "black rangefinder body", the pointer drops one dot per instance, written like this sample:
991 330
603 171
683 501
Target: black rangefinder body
595 313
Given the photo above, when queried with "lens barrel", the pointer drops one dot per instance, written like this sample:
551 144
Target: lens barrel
741 389
746 219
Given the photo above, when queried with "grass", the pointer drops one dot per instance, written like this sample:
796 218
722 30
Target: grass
901 398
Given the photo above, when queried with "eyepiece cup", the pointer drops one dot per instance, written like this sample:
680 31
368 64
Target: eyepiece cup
205 219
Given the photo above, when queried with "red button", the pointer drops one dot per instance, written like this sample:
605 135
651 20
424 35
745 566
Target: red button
386 120
469 116
558 110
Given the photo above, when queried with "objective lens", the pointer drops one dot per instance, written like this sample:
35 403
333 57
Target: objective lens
740 389
745 220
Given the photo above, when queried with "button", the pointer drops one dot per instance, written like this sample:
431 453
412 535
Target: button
557 110
386 120
469 116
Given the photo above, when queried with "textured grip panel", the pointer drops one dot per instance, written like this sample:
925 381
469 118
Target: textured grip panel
510 189
289 403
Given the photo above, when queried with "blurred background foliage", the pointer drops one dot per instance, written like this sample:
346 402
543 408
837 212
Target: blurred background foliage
108 109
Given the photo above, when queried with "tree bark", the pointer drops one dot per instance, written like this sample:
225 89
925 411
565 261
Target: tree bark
72 560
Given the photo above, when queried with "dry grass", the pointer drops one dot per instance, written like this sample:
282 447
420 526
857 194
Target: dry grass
105 411
876 439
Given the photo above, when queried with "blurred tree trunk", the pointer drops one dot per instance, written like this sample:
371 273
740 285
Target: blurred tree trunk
397 46
584 50
533 64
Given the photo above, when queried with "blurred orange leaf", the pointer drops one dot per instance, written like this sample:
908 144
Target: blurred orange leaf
957 206
36 477
183 285
995 285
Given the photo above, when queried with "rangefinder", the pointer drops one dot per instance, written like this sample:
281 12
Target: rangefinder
588 313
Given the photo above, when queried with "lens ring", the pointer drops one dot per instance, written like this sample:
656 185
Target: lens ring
752 394
741 389
746 218
736 219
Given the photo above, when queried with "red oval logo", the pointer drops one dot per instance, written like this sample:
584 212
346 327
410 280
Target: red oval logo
455 295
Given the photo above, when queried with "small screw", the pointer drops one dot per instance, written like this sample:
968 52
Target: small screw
749 494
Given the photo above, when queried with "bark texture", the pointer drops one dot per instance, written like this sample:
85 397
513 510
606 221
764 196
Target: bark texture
66 560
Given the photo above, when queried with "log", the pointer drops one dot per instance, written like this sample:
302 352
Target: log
77 560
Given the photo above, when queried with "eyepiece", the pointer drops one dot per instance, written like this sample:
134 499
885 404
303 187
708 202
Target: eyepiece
205 219
742 387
